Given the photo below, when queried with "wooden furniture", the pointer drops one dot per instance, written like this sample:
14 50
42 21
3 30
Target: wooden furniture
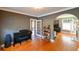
47 32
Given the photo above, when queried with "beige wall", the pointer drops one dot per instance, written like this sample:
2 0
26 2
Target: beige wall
12 22
50 19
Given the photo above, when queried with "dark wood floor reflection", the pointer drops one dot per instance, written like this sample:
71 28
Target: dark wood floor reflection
60 44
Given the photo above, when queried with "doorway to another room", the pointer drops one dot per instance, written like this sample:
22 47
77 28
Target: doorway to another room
69 26
36 28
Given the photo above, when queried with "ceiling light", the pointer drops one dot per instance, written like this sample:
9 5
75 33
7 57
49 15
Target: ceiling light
37 7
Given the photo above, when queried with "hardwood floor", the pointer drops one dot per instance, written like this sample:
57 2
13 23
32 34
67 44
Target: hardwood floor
61 43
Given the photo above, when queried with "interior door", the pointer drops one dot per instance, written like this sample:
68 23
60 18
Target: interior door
39 28
33 26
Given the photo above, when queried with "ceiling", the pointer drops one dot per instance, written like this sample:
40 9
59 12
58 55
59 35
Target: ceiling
36 12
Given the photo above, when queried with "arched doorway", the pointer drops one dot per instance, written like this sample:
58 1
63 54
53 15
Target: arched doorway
69 24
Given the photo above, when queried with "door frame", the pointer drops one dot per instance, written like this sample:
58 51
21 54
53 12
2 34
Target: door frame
35 20
40 35
31 19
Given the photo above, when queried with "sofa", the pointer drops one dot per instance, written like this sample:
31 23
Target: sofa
22 35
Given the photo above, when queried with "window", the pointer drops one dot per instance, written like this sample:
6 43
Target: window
67 23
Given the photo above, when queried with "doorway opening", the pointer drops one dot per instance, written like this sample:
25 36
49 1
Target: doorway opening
36 28
69 25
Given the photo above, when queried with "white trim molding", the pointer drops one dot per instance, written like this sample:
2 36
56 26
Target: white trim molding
56 11
10 10
6 9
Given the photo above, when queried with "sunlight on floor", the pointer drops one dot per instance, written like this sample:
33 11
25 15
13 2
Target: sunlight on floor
68 38
52 40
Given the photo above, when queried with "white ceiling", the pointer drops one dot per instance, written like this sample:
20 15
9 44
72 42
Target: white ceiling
36 12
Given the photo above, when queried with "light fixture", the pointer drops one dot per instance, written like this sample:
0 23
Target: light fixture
37 7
